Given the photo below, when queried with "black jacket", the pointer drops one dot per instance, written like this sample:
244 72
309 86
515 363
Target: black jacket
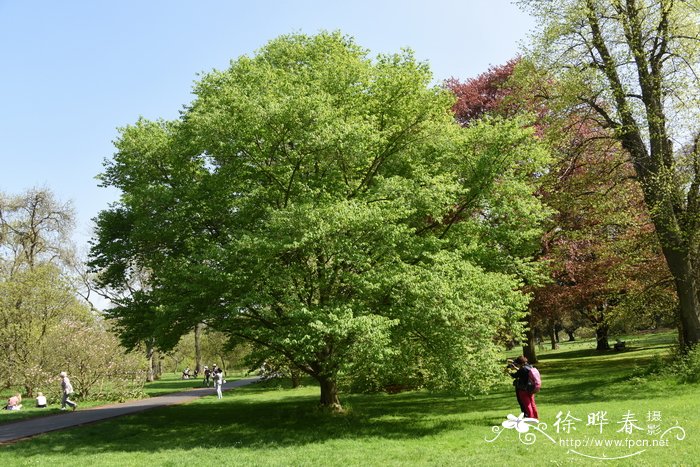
521 378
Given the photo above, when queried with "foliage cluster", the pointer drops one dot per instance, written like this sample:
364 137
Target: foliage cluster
687 366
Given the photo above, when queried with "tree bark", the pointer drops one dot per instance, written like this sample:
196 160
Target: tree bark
689 305
158 365
149 355
198 347
570 333
295 376
553 338
601 336
529 348
329 394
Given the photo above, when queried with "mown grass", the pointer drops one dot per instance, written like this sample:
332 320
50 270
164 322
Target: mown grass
268 424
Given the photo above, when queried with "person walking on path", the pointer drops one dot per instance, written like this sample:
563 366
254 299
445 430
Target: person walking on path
207 376
218 382
66 390
523 387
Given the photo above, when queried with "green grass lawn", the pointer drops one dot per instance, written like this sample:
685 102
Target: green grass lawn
267 424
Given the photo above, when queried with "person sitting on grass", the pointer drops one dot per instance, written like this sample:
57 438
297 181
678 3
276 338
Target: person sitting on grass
207 375
14 402
41 400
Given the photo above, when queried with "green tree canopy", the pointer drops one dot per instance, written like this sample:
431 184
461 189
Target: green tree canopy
326 206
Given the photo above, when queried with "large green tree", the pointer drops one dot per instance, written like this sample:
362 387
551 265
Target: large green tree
634 65
326 206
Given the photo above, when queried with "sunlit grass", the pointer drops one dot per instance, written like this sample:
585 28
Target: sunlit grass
270 424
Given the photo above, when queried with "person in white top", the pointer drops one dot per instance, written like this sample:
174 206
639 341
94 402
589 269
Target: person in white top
218 382
41 400
66 390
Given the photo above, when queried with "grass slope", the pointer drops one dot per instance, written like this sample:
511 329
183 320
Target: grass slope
268 425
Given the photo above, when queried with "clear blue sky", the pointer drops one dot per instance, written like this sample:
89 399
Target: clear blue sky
74 71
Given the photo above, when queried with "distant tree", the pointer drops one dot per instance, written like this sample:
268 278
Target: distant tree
318 203
35 305
215 349
98 365
41 314
36 297
34 229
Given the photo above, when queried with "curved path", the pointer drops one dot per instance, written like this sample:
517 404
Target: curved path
15 431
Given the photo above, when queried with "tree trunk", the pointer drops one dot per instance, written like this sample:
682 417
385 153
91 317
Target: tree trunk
159 366
198 347
529 348
601 336
553 338
329 394
681 334
675 244
689 305
222 359
295 376
571 335
149 355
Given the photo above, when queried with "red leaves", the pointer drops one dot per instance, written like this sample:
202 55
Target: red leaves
485 93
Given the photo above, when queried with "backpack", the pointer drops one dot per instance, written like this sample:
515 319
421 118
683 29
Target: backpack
534 382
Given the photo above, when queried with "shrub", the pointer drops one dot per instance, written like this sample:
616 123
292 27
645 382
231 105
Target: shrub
687 366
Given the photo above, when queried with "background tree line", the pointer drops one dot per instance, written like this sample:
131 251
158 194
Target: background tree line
45 325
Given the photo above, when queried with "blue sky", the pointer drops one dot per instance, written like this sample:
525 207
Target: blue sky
75 71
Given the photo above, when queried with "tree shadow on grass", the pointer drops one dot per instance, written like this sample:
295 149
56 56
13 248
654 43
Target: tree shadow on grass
600 354
260 416
290 419
240 423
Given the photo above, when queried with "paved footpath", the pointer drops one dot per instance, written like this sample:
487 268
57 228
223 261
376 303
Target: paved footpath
34 426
